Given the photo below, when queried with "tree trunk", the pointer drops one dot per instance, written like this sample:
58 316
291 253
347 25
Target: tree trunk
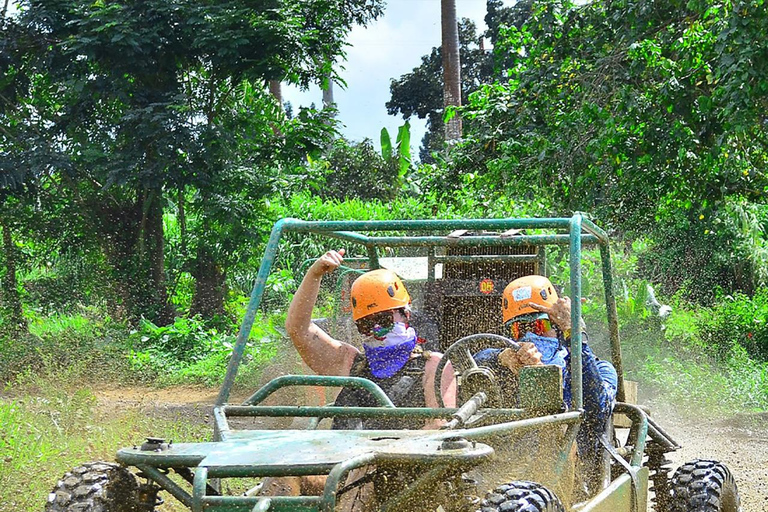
11 301
210 288
328 93
276 90
182 223
132 240
155 242
451 66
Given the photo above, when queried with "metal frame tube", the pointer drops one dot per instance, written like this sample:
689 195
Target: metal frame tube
198 488
167 484
491 241
638 433
319 380
613 321
480 433
282 411
346 230
337 473
575 264
250 313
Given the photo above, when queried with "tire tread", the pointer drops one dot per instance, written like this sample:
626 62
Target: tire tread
521 496
94 487
704 486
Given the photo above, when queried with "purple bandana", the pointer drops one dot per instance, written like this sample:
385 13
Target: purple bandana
385 361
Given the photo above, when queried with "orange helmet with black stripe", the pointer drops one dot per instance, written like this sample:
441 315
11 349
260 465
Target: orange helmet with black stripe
376 291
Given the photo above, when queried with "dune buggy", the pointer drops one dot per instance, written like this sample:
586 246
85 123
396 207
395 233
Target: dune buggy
486 456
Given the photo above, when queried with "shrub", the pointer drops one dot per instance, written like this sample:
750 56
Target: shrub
190 352
157 350
695 253
357 170
737 321
79 345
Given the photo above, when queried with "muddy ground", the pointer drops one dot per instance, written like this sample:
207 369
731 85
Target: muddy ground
739 440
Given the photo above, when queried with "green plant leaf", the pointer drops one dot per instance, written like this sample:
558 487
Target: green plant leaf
386 145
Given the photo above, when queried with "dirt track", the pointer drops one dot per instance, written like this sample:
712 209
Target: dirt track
740 441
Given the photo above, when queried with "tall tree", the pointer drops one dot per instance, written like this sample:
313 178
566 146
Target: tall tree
420 92
16 175
647 114
142 87
451 66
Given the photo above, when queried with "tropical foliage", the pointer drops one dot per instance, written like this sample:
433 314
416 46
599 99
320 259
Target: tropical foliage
143 162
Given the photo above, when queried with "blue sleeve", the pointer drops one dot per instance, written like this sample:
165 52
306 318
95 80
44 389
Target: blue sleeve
488 357
600 382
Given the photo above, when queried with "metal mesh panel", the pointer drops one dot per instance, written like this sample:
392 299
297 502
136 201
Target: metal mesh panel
471 292
502 271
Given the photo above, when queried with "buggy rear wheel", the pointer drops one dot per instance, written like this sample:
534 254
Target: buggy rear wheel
704 486
96 487
521 496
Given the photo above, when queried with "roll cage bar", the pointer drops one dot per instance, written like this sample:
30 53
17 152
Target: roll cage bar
575 232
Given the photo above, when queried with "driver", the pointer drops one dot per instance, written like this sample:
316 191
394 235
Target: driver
392 353
535 315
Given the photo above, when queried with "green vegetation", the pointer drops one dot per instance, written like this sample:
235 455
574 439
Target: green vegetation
57 428
143 163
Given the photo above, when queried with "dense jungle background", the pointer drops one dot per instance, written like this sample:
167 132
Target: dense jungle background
144 158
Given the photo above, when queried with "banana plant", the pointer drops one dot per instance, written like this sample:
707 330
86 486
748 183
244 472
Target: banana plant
401 151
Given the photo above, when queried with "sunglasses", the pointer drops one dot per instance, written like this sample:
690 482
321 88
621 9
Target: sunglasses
537 327
378 323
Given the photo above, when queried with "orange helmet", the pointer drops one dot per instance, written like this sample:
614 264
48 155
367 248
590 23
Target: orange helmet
526 290
376 291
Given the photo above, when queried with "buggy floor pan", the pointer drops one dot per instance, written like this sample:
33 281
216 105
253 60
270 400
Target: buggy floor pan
286 452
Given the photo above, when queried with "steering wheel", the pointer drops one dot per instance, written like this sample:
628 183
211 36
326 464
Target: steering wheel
471 378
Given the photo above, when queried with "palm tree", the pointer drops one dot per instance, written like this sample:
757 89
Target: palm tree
451 66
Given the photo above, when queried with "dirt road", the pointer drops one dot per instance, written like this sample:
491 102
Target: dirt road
740 440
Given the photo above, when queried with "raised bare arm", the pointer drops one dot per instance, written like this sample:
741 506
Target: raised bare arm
322 353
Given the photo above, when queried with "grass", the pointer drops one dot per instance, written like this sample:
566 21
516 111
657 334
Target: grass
49 428
50 420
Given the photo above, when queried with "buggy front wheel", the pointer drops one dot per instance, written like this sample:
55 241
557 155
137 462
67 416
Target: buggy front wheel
521 496
704 486
96 487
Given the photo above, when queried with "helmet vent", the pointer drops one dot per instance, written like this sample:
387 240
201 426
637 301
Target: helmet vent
391 290
543 294
354 302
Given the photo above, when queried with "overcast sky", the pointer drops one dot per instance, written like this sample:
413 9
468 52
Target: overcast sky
386 49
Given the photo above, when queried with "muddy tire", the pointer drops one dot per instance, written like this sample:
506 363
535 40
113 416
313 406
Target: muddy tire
704 486
521 496
95 487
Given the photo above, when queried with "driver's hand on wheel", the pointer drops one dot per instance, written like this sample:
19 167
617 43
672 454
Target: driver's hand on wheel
527 355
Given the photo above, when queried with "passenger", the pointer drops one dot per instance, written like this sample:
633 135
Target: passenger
392 357
541 322
392 353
